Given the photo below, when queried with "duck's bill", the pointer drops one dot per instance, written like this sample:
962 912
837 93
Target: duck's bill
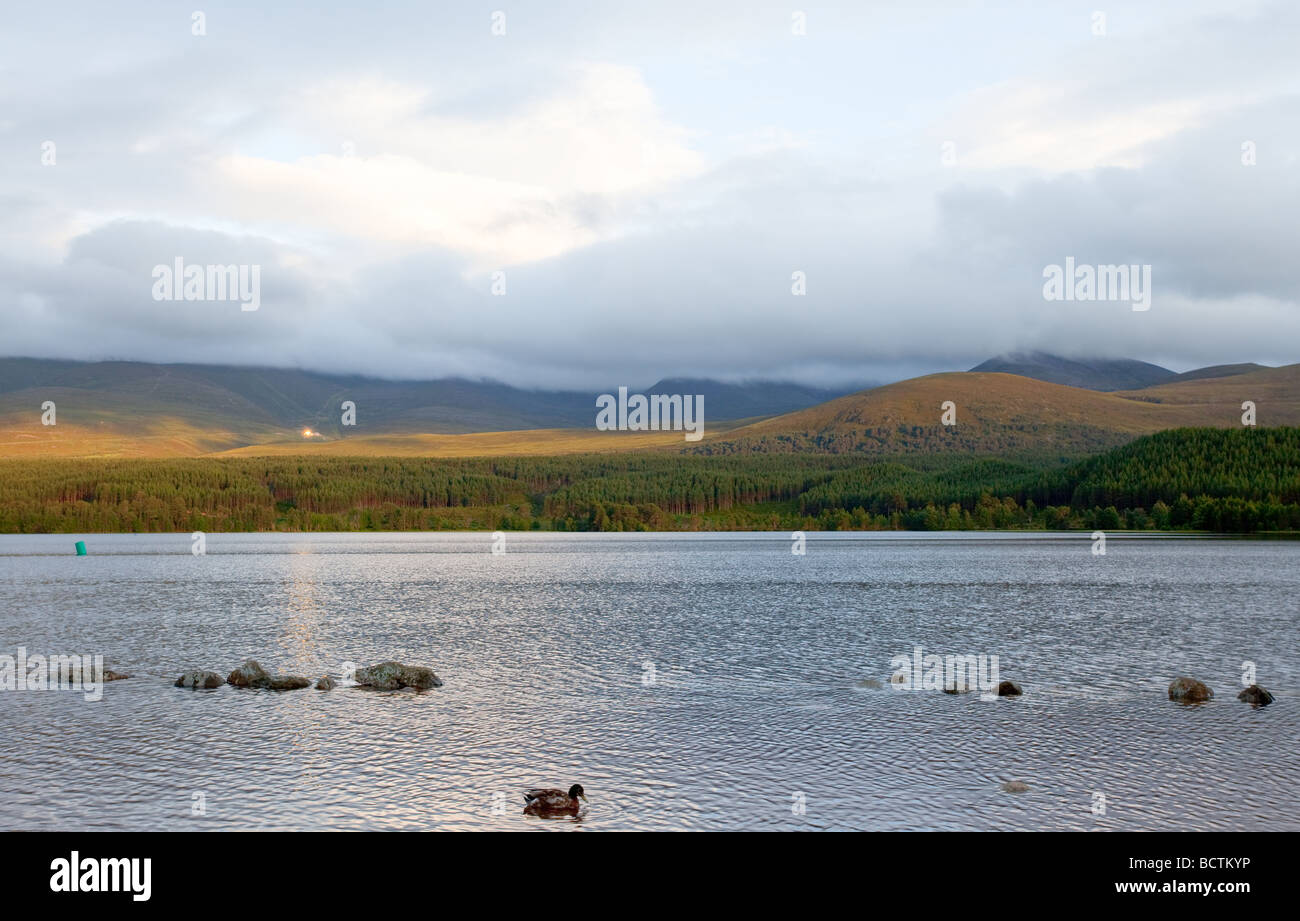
582 796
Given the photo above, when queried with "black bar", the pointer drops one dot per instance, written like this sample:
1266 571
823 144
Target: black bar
326 871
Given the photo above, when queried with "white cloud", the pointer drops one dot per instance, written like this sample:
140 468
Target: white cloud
528 185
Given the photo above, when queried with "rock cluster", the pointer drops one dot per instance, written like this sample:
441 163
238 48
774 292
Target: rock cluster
386 676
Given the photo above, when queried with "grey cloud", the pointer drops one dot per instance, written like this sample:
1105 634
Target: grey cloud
909 268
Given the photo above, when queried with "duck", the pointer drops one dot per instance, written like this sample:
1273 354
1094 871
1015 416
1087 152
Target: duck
554 802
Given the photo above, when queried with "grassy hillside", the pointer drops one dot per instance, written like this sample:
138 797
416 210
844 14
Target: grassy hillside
1237 480
1245 367
1012 417
1274 391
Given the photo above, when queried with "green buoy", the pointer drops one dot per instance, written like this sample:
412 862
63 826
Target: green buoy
81 548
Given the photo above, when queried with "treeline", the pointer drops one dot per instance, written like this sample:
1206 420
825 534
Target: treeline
987 439
316 494
1206 479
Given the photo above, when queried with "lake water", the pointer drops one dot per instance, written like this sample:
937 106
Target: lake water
687 681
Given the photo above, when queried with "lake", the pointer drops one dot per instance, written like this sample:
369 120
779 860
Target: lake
687 681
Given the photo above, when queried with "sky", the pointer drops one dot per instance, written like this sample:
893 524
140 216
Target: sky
573 194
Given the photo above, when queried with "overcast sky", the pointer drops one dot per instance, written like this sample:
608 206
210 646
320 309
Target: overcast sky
648 176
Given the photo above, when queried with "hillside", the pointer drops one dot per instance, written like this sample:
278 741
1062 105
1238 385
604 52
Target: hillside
1012 416
1274 391
1104 374
1259 465
1220 371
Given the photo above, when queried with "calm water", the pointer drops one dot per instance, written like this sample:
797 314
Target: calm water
547 651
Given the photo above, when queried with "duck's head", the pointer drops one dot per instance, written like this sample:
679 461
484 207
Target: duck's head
576 792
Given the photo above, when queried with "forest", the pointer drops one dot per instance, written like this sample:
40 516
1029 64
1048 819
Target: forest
1238 480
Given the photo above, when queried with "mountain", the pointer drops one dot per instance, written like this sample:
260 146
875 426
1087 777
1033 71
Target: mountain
1104 374
140 409
1013 416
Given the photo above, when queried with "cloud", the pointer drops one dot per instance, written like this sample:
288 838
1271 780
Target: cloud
648 189
529 184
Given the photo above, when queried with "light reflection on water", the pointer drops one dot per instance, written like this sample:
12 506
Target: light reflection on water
756 657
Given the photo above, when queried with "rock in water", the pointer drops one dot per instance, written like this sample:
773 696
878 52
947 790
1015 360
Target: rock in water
249 675
389 676
252 675
110 675
286 683
1008 689
326 683
1189 691
1015 786
869 683
1256 696
952 688
200 679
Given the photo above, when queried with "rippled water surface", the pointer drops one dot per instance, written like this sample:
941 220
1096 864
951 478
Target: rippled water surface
687 681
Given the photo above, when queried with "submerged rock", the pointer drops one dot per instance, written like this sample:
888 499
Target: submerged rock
389 676
952 688
1189 691
1009 689
1256 696
83 673
326 683
1015 786
869 683
197 678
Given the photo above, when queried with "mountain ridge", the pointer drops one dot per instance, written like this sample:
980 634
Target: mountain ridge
132 409
1102 374
263 401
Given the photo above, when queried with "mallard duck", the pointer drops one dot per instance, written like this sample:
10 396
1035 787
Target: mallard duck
554 802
